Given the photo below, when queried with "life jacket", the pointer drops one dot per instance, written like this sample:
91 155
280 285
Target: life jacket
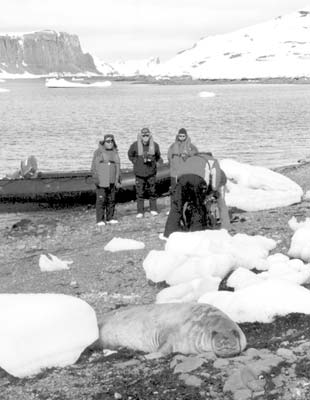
207 167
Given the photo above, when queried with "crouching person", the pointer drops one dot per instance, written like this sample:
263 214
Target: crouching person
199 176
106 175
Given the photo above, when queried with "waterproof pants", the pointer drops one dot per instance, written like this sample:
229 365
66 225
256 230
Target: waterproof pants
105 203
173 184
191 189
145 185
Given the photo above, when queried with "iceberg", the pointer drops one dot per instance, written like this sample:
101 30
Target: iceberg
206 94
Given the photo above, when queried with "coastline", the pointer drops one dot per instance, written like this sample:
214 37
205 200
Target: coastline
109 280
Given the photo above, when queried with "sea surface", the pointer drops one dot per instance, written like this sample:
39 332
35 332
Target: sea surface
267 125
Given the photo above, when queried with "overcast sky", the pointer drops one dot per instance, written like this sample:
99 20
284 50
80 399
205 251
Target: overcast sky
133 29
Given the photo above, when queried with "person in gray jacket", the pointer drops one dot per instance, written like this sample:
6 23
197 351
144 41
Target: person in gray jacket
105 170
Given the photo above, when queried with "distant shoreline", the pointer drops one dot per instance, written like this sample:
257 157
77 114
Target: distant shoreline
175 80
189 81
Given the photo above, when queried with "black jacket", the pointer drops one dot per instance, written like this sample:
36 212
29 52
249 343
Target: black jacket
144 165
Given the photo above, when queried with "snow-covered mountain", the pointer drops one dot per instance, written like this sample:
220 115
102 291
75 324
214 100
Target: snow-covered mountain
129 67
277 48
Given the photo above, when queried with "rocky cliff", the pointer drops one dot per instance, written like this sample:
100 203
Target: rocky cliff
43 52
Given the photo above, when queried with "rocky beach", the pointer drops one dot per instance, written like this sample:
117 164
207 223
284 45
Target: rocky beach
275 364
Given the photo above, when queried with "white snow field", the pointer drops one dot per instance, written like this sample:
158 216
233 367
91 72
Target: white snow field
194 263
3 90
120 244
39 331
254 188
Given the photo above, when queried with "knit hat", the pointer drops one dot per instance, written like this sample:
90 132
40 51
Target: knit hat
108 136
182 131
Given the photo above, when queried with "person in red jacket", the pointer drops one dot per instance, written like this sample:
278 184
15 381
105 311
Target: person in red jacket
105 170
144 154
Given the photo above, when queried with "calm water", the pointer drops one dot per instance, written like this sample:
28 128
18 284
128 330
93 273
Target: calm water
265 125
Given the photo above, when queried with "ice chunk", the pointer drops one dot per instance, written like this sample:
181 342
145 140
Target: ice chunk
253 188
300 242
242 278
206 94
40 331
189 291
158 264
261 302
120 244
52 263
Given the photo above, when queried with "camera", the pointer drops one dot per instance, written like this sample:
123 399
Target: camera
148 159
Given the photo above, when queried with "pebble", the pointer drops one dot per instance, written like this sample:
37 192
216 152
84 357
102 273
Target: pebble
220 363
287 354
190 380
188 365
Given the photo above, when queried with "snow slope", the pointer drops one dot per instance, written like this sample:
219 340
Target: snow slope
276 48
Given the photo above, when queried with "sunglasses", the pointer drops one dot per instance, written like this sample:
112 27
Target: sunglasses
109 141
145 135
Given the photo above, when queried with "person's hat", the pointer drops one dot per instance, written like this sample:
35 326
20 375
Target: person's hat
145 131
182 131
107 136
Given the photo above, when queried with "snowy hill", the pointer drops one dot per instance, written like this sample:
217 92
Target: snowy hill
277 48
129 67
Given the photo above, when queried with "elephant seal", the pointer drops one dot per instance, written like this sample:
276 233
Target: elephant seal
187 328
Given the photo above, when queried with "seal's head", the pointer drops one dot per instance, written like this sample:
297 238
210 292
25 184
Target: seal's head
226 344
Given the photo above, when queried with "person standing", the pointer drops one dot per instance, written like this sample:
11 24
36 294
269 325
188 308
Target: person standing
178 153
144 154
105 170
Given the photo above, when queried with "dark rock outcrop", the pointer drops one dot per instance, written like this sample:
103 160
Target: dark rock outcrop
44 52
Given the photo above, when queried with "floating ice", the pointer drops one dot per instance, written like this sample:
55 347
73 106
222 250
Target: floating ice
261 302
206 94
253 188
40 331
52 263
63 83
300 242
120 244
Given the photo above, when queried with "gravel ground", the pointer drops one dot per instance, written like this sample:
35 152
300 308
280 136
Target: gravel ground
274 366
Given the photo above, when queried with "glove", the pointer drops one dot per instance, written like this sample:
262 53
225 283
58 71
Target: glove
118 185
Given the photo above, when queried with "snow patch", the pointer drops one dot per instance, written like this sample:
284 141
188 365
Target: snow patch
120 244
